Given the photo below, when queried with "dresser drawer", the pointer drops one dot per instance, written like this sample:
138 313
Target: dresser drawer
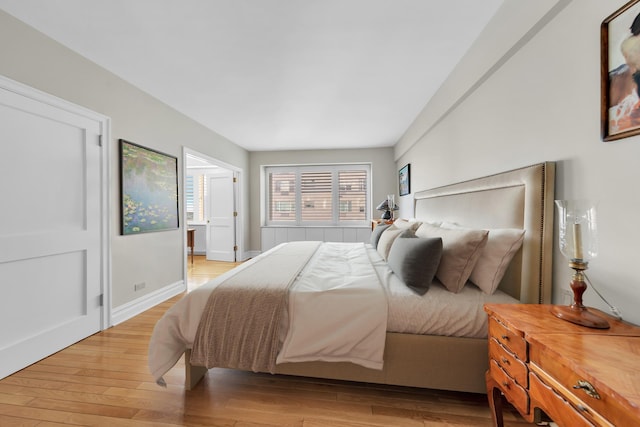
508 361
513 392
603 405
510 339
555 405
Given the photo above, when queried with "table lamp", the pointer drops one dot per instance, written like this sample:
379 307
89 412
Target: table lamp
387 207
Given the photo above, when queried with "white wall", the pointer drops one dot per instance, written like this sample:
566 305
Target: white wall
31 58
528 91
383 171
541 102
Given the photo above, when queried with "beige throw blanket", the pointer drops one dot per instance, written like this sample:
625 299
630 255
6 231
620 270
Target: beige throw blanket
240 326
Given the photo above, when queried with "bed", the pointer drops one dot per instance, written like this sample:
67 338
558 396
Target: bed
517 199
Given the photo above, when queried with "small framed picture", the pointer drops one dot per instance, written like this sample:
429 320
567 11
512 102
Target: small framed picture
404 178
620 73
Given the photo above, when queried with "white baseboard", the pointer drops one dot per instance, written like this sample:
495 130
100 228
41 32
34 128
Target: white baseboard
243 256
133 308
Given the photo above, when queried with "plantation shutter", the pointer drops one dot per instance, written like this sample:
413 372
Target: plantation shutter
317 195
352 195
202 191
315 189
188 197
282 196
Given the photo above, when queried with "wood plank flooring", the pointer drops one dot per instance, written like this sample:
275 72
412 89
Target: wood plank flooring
104 381
201 271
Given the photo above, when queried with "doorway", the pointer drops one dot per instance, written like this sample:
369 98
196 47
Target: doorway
212 199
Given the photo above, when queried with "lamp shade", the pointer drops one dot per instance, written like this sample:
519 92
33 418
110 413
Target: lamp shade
387 206
577 229
384 206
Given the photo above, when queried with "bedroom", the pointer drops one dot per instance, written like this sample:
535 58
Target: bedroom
542 57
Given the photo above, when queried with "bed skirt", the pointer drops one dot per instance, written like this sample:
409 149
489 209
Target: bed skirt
425 361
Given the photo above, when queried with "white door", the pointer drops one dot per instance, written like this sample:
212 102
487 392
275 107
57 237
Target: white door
50 226
221 228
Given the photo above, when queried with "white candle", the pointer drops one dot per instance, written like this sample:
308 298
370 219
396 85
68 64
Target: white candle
577 241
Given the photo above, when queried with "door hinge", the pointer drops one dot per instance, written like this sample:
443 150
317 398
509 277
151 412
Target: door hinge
235 248
100 140
235 214
101 300
235 179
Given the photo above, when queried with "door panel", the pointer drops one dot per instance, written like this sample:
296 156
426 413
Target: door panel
221 228
50 229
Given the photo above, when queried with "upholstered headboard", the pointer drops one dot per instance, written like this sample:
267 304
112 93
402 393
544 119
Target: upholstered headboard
520 198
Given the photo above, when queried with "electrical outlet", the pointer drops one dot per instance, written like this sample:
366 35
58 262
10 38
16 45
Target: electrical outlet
138 286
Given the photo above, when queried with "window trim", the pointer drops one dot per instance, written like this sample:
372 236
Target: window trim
335 168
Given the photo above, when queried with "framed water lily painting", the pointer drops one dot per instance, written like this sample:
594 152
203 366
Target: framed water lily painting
148 189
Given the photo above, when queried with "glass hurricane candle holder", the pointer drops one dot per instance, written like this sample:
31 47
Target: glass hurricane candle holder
577 235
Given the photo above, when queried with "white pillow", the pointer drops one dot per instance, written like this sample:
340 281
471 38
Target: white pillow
502 245
461 249
386 240
405 224
434 223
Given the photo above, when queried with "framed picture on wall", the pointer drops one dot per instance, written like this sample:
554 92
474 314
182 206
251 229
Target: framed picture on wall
620 73
404 178
148 189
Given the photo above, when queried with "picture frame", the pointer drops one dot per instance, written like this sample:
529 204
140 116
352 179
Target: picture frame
620 73
404 179
148 189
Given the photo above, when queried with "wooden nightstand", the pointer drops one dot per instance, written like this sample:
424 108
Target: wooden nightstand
541 363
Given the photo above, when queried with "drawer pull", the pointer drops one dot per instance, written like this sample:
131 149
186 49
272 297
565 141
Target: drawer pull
505 384
505 361
588 388
505 337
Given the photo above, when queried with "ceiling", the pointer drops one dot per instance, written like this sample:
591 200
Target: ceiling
275 74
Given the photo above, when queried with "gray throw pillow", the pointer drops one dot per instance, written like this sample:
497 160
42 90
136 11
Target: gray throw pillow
377 232
415 261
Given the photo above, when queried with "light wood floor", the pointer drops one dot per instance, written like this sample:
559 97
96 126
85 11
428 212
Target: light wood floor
104 381
200 271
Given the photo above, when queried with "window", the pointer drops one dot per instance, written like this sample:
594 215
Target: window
283 200
316 192
353 195
194 197
317 195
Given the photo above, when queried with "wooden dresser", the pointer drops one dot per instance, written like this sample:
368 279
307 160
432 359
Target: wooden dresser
577 376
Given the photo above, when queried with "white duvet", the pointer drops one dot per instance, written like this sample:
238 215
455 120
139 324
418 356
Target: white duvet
341 317
337 310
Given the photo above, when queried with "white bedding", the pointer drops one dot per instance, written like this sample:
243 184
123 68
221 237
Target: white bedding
438 312
337 310
345 319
